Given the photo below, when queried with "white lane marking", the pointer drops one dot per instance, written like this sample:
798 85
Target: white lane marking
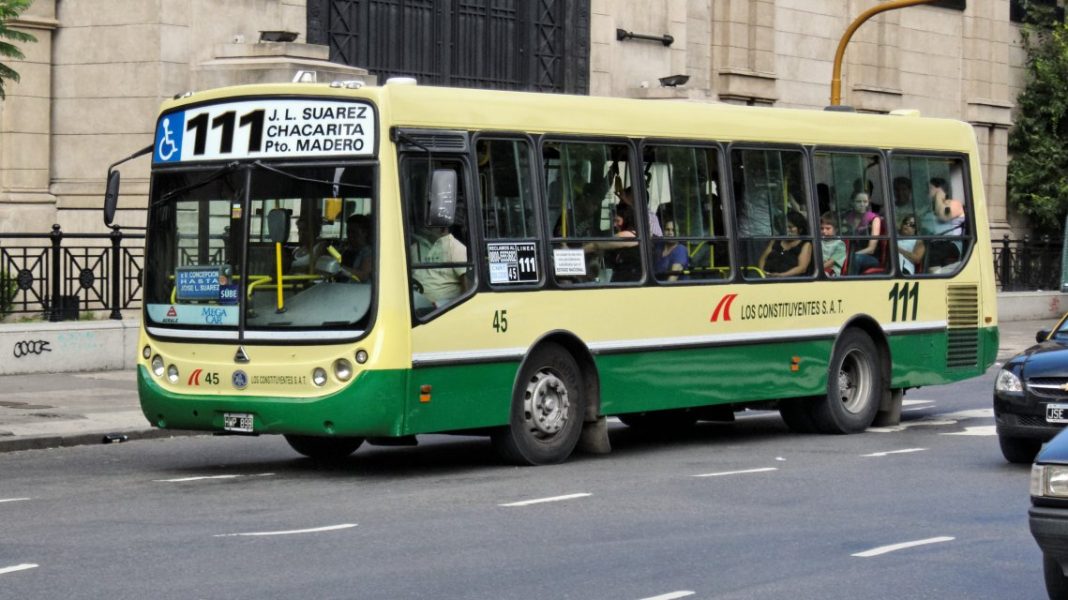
911 402
914 409
22 567
289 532
902 546
541 500
201 478
3 500
671 595
925 422
984 430
889 452
746 471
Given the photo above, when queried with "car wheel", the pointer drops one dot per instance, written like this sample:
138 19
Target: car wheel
547 410
1021 451
854 386
1056 582
324 448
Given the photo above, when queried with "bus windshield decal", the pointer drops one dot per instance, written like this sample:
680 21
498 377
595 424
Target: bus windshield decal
265 129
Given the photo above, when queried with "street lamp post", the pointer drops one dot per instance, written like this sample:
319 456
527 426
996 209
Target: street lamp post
836 76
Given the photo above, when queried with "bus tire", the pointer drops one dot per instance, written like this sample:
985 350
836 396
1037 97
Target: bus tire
854 386
324 448
797 414
547 410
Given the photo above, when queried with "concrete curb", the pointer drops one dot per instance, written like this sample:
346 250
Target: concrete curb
43 442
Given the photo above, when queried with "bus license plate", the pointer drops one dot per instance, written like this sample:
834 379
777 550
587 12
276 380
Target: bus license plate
1057 413
240 422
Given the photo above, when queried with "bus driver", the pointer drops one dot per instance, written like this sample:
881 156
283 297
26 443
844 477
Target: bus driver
437 245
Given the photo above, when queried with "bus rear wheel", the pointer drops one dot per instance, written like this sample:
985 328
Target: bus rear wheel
324 448
854 386
547 410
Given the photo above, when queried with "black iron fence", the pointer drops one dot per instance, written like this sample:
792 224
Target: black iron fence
59 275
1028 264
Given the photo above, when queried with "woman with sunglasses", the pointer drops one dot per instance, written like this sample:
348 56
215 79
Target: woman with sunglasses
910 250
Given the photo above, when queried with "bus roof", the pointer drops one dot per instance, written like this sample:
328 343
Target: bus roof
420 106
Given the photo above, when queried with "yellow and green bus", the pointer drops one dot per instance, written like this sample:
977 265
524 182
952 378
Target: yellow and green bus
343 264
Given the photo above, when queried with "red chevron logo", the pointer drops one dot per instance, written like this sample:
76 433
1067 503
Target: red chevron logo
723 308
194 377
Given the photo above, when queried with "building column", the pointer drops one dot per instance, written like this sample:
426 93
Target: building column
26 128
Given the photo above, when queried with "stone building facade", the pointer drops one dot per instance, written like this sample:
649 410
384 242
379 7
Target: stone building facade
93 82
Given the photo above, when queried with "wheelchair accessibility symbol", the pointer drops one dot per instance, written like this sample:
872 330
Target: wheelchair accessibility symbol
169 138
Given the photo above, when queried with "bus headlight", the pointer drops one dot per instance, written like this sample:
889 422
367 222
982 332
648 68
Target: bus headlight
146 352
319 376
172 373
1007 381
342 369
1049 481
361 356
157 365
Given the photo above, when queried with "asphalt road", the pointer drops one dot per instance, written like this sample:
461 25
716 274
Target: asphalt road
749 510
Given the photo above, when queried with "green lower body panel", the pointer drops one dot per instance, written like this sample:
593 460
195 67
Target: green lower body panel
476 396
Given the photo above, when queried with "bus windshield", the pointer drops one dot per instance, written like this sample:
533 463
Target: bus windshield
267 250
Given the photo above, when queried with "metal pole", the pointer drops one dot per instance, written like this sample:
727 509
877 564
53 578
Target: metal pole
116 275
54 308
836 77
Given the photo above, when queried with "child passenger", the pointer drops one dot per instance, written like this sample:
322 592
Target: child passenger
834 250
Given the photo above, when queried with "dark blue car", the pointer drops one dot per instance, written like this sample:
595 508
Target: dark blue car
1048 516
1031 395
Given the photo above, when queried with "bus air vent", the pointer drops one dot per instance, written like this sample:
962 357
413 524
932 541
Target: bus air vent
962 335
435 140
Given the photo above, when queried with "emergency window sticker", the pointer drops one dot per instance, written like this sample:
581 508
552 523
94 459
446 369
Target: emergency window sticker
265 129
568 262
512 263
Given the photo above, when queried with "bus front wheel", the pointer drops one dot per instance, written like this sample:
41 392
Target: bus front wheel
547 410
854 386
324 448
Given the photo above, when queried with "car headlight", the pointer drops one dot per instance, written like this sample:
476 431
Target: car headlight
1007 381
1049 481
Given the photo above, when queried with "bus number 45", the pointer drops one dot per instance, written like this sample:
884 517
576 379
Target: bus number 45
500 320
905 295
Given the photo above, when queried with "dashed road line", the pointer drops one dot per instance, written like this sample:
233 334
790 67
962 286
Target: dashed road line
889 452
742 472
3 500
22 567
288 532
982 430
207 477
671 595
542 500
902 546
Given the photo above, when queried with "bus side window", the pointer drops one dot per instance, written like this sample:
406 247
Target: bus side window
932 191
683 183
441 269
771 204
849 190
509 222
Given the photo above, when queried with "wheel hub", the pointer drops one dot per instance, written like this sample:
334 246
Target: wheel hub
546 403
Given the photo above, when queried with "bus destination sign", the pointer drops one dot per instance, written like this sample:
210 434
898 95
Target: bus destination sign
265 129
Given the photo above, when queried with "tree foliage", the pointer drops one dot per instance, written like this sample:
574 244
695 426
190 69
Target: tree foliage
9 9
1038 143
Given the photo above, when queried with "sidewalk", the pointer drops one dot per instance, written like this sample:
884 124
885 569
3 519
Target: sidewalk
70 409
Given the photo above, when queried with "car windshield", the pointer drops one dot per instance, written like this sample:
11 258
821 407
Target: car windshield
270 250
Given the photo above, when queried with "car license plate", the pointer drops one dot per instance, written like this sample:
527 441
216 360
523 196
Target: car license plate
1057 413
242 422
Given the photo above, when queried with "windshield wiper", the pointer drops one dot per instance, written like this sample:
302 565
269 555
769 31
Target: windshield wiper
217 173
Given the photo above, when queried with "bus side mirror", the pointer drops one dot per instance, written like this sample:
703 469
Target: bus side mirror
441 207
278 225
111 197
1042 335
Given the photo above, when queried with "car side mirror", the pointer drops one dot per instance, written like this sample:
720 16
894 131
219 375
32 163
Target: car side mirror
111 197
441 206
1042 335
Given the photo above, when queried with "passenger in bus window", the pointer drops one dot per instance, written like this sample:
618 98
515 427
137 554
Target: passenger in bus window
909 249
672 259
309 246
834 249
623 257
436 245
950 223
861 221
627 197
358 256
903 193
791 256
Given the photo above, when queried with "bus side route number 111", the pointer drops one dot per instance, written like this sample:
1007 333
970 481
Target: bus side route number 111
904 296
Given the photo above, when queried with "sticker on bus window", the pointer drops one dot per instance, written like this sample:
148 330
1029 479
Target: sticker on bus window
193 314
569 262
515 262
